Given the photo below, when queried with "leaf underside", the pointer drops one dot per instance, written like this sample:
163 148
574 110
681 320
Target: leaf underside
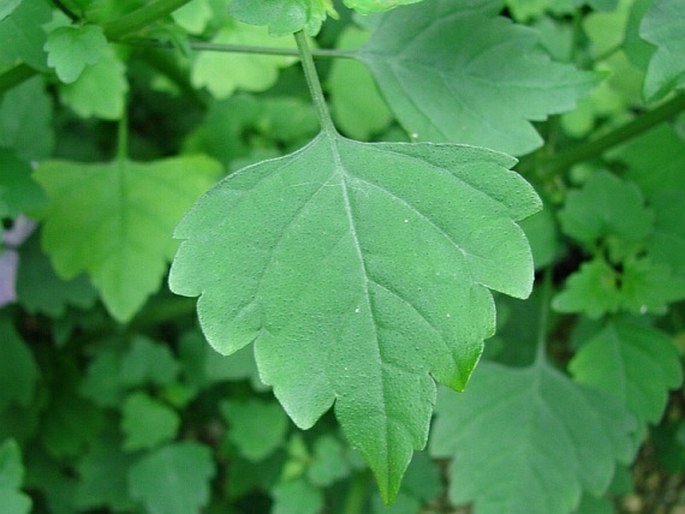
359 270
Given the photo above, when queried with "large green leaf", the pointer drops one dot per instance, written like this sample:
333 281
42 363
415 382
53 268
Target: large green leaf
114 221
528 440
664 26
359 270
453 71
636 364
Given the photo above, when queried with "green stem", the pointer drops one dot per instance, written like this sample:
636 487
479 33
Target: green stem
314 84
543 320
355 499
140 18
15 76
244 49
122 136
592 149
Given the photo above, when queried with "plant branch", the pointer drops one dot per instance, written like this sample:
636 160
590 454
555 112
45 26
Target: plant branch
244 49
314 84
552 164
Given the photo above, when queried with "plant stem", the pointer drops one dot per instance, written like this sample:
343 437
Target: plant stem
15 76
314 84
122 135
134 21
592 149
244 49
355 498
545 300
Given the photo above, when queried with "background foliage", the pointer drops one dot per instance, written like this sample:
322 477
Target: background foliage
116 116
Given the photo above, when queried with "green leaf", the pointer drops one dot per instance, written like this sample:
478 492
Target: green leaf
18 370
12 501
8 8
360 271
102 383
18 192
174 479
114 221
100 90
24 35
40 290
667 244
356 105
495 76
528 440
541 231
607 208
147 422
368 6
593 289
148 363
664 26
297 496
636 364
283 16
102 476
247 72
26 120
329 463
256 427
71 49
194 16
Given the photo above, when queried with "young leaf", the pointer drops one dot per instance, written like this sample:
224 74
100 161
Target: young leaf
664 26
148 363
359 270
368 6
18 191
528 440
70 49
283 16
454 72
634 363
174 479
114 221
11 476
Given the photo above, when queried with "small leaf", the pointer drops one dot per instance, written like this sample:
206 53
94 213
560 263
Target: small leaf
360 271
329 462
194 15
18 191
70 49
8 8
18 369
664 26
634 363
148 363
593 289
147 422
368 6
283 17
606 208
528 440
23 34
256 427
248 72
453 72
114 221
297 496
174 479
100 90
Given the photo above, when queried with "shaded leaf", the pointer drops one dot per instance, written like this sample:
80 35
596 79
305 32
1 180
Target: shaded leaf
24 29
18 191
322 259
528 440
173 479
454 72
297 496
147 422
18 369
12 501
283 16
114 221
148 363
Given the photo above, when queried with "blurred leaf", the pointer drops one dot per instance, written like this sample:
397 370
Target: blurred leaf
19 372
528 440
497 77
148 363
356 104
147 422
71 49
297 496
369 6
283 16
23 28
8 8
664 26
194 16
12 501
114 221
247 72
593 290
256 427
173 479
541 231
636 364
329 462
18 191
